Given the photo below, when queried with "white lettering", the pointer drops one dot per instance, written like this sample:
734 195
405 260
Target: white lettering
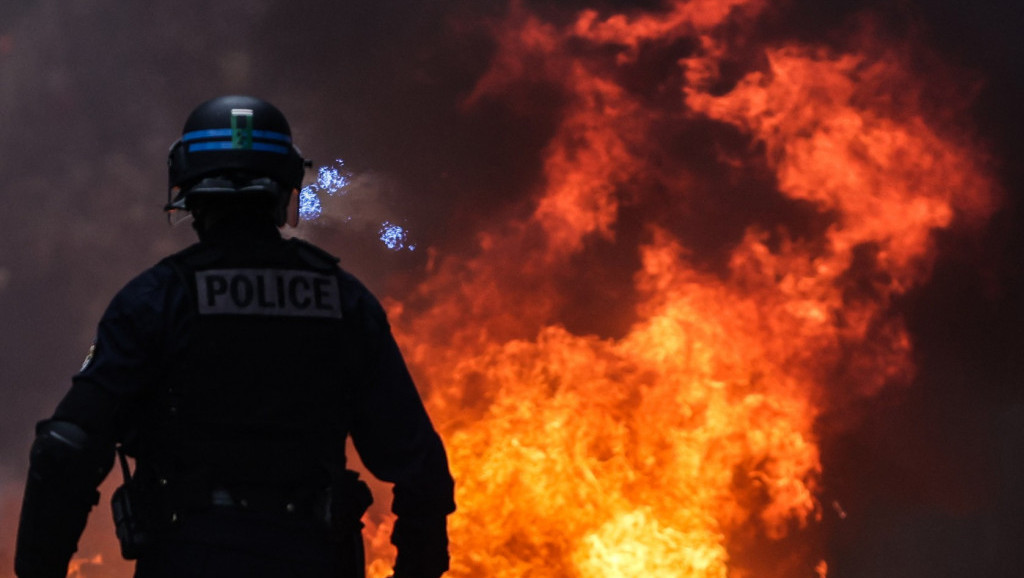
276 292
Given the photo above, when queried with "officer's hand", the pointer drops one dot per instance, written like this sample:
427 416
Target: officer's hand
422 545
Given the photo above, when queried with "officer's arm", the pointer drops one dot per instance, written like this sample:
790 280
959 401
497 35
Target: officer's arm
397 442
65 467
74 451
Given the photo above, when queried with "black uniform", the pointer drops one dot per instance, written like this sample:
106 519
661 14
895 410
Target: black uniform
233 372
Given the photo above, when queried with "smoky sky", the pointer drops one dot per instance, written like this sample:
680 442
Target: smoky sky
93 92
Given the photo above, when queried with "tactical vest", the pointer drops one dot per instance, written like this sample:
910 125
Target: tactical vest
258 392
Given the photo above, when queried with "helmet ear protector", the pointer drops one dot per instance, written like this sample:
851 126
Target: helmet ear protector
235 145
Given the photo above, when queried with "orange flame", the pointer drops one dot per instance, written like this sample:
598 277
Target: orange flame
80 567
669 448
661 452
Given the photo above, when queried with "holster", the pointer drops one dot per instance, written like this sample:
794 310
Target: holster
350 498
134 531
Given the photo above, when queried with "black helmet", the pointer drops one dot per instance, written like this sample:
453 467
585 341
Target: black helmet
231 145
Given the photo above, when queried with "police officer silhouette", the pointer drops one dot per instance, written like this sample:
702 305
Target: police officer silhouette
233 372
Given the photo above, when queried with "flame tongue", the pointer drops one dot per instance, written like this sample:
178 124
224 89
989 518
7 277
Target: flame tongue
661 452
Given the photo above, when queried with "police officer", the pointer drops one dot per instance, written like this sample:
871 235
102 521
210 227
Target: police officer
233 372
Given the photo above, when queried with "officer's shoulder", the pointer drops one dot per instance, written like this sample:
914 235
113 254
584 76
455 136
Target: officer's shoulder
323 261
312 255
356 297
144 291
362 299
169 271
195 256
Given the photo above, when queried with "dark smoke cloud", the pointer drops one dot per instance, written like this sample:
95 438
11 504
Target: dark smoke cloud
92 93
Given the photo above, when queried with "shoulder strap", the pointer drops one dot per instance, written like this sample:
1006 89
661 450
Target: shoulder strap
126 472
183 273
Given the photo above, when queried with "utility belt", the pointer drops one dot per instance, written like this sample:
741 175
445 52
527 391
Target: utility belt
144 508
316 507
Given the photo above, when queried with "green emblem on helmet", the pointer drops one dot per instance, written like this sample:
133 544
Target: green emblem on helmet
241 128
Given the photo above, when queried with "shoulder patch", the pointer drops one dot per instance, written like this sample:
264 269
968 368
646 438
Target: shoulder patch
275 292
88 357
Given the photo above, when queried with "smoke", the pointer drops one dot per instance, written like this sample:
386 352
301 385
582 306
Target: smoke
93 92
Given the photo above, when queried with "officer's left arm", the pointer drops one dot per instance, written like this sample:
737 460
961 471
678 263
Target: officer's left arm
66 466
127 356
74 450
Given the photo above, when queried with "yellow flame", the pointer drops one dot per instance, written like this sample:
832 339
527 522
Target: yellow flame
655 453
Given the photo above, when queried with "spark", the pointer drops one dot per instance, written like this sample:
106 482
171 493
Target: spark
334 180
330 180
395 237
309 204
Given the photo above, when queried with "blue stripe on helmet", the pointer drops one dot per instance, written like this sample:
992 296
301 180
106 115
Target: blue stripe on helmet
208 133
270 148
222 145
210 146
226 132
271 135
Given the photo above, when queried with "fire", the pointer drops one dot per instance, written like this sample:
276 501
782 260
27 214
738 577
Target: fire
675 447
676 444
80 567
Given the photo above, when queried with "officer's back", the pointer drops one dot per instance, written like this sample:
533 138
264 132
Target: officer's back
234 372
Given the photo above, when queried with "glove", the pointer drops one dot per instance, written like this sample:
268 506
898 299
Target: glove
422 545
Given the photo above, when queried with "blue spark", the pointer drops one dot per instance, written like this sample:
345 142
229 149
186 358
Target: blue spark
309 204
332 178
394 237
